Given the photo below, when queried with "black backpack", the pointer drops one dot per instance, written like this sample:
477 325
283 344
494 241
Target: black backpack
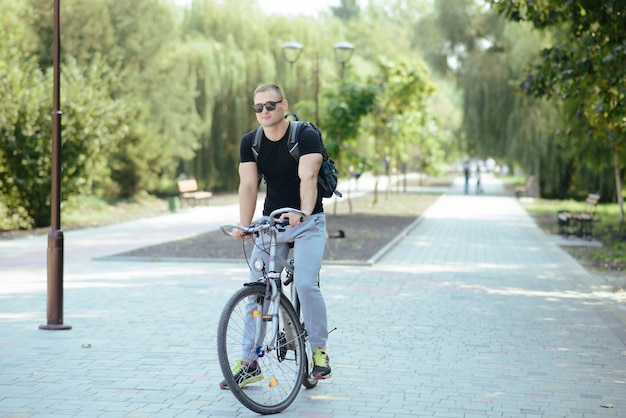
328 176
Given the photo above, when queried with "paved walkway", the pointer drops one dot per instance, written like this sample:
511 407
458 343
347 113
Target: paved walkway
474 312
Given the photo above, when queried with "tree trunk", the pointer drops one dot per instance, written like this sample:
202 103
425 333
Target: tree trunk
375 194
618 184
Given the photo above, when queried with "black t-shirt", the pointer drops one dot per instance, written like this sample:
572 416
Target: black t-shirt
280 169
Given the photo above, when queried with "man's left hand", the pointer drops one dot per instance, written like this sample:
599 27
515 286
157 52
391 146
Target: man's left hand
295 219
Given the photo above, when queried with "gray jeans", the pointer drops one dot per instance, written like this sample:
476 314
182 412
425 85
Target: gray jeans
309 240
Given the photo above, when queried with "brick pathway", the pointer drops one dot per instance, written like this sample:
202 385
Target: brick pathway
473 313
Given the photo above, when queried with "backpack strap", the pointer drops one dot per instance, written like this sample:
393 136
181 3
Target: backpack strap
256 142
294 130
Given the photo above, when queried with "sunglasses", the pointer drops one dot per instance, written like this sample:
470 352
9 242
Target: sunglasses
258 108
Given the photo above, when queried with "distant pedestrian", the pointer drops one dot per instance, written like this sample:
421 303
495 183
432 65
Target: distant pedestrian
479 188
466 171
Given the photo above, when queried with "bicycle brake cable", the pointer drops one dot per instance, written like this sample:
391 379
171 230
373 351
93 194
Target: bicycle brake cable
254 243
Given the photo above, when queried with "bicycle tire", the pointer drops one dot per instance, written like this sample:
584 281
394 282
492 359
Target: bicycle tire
282 362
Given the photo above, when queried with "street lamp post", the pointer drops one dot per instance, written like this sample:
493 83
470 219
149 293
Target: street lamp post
343 53
55 236
291 53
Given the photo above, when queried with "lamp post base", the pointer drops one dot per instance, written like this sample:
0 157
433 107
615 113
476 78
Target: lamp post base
55 327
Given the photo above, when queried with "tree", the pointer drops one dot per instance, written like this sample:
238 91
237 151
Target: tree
92 124
182 78
349 9
21 120
403 88
342 112
584 66
344 107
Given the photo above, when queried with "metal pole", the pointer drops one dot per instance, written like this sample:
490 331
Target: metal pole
317 88
55 236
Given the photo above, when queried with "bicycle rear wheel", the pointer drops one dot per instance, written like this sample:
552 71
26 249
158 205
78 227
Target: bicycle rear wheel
281 357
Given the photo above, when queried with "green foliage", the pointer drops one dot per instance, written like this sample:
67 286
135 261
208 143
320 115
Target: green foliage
400 110
561 131
92 123
489 97
137 39
488 55
342 112
22 121
583 67
150 92
586 63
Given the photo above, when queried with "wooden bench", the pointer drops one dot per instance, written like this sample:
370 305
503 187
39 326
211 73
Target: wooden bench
586 219
526 189
189 193
579 224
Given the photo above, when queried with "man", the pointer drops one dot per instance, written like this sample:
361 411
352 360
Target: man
290 183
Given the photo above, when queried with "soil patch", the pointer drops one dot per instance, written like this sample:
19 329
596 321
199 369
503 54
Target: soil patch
365 226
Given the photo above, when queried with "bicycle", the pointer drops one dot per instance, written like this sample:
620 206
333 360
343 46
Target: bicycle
283 352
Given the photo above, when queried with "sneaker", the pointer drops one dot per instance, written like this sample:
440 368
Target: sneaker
244 374
321 365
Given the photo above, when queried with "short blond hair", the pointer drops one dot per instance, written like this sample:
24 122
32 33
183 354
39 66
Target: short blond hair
269 87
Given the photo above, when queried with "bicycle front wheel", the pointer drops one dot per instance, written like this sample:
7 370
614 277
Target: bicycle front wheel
246 330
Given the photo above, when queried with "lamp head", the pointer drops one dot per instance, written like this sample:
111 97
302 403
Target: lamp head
292 51
343 52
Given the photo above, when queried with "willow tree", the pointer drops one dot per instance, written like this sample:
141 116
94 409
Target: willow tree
488 101
224 70
498 122
229 60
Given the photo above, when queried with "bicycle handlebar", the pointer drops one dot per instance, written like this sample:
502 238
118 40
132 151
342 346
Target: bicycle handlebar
263 225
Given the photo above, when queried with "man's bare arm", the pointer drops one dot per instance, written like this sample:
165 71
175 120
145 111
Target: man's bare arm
308 169
248 192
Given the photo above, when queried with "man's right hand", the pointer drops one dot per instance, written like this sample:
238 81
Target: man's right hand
238 234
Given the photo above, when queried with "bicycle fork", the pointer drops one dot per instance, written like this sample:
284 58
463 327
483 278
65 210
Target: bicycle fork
273 293
271 298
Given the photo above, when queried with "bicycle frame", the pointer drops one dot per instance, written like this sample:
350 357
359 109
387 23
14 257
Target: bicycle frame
272 275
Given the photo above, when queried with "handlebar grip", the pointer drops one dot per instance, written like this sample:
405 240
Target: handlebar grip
227 229
285 222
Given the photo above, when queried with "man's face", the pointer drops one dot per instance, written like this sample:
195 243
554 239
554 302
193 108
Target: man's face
269 99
